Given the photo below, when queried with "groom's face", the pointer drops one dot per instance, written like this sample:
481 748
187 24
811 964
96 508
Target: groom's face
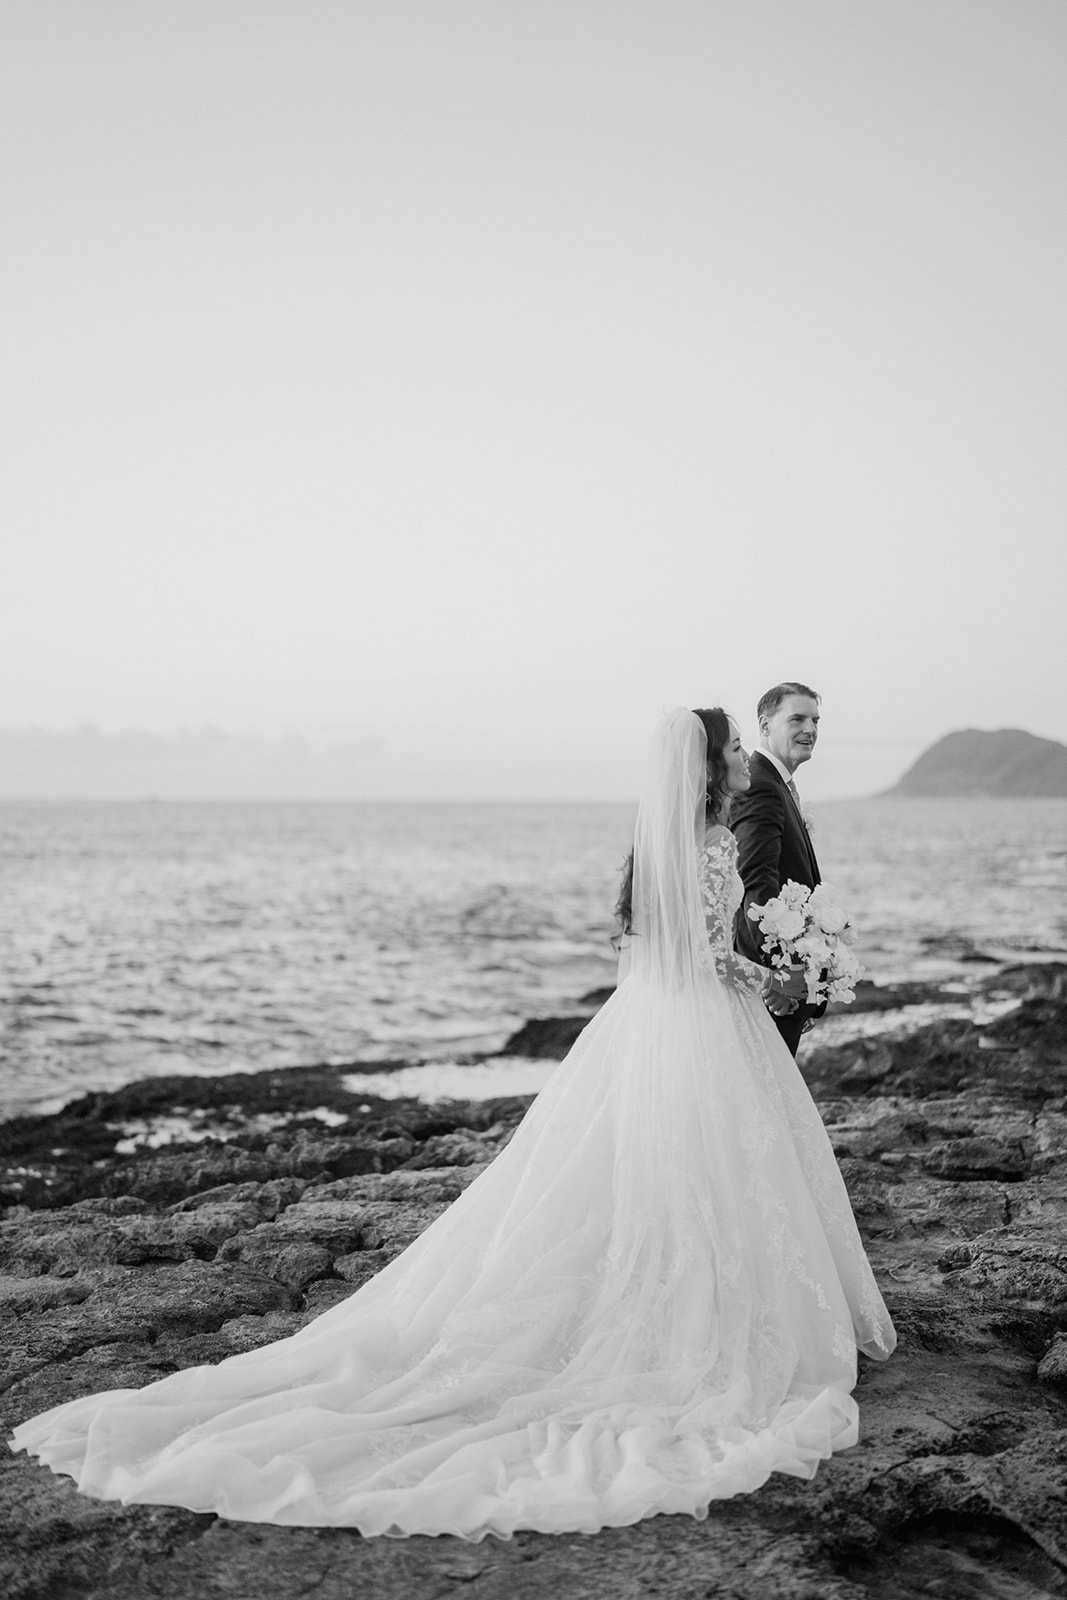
790 732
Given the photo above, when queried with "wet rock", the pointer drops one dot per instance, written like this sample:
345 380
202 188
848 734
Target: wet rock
463 1148
1052 1368
324 1294
290 1262
937 1059
433 1188
21 1295
1022 1053
332 1224
925 1208
1019 1263
249 1331
978 1157
964 1525
875 997
546 1038
1037 1026
1030 980
384 1225
1049 1132
123 1205
70 1240
357 1269
41 1385
268 1198
300 1245
958 947
868 1125
596 998
137 1307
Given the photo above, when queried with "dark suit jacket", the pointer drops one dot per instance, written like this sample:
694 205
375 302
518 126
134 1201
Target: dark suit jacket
773 845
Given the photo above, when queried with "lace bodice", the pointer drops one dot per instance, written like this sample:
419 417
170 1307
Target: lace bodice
722 892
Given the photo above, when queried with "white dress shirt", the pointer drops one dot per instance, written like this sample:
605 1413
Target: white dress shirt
779 766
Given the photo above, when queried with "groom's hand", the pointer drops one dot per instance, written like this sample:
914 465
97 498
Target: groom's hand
788 987
792 981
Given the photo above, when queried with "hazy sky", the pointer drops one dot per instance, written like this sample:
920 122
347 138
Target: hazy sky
475 381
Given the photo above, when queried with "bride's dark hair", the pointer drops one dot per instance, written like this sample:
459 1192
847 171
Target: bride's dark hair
717 728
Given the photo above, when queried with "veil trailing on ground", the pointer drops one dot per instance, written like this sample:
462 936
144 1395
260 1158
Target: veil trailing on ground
669 940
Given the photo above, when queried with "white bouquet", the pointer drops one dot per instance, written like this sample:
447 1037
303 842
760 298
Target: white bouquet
804 926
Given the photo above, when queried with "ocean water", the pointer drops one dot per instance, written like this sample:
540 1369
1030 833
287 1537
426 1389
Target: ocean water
175 937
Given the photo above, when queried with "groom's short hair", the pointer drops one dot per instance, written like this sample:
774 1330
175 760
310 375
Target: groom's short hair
769 702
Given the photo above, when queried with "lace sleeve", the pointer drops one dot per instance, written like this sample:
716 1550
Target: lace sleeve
722 892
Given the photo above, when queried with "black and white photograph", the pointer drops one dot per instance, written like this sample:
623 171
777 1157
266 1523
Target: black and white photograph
533 800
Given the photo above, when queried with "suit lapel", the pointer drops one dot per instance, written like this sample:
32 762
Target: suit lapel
806 835
777 776
816 874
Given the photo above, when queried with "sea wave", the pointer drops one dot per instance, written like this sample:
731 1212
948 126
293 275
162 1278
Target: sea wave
147 940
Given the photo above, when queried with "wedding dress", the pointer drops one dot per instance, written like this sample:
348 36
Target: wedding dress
650 1300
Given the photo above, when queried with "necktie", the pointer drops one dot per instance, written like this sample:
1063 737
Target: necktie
791 786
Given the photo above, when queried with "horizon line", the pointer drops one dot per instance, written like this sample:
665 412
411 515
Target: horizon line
444 800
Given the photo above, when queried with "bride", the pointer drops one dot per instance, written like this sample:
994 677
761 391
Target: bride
650 1300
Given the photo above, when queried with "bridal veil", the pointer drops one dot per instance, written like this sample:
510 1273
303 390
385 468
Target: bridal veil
651 1299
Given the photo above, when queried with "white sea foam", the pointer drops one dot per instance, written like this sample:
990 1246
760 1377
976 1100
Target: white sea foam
451 1080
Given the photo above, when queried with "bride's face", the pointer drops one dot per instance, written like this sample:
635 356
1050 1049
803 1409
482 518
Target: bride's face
736 757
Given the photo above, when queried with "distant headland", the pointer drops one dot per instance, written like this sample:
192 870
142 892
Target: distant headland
1005 762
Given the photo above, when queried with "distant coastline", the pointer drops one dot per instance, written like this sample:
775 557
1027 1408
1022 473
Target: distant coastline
1004 763
207 765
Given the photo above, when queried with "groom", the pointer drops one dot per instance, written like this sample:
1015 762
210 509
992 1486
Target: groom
773 843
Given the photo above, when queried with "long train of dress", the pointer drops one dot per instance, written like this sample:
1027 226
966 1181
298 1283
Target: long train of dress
651 1299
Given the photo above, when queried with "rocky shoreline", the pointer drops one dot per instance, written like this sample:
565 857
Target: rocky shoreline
124 1257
